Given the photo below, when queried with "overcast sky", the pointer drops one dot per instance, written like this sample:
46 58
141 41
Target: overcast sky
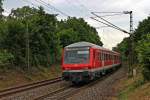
82 8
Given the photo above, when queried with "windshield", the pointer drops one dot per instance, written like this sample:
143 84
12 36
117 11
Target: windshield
76 56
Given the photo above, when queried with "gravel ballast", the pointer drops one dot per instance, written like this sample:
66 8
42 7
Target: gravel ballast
103 90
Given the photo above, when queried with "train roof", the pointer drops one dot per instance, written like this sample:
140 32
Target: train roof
87 44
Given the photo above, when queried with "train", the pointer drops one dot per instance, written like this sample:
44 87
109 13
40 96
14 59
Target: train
85 61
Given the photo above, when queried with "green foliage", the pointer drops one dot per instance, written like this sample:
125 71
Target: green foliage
68 36
143 50
79 29
141 46
14 40
44 34
123 48
143 28
5 57
142 35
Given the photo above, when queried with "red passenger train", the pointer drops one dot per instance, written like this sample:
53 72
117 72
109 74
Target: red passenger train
84 61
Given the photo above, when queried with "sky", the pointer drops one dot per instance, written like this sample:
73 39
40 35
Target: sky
83 8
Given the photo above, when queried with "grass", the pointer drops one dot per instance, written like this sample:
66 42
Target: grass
134 89
12 77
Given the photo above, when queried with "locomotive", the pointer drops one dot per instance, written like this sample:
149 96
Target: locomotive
84 61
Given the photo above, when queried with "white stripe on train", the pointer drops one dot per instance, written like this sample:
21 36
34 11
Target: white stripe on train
93 70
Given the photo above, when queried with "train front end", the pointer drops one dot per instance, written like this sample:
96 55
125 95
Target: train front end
76 63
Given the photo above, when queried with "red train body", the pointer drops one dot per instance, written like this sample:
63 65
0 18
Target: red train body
84 61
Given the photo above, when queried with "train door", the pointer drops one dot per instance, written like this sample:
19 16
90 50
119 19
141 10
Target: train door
113 59
102 58
96 59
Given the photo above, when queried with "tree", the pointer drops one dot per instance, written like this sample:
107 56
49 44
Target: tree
143 51
143 28
80 29
14 40
40 28
68 36
123 48
1 8
40 33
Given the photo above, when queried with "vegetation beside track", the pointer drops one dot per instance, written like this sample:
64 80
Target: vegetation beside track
141 48
134 88
15 77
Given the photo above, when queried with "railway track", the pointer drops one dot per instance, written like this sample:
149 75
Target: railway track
26 87
53 93
68 91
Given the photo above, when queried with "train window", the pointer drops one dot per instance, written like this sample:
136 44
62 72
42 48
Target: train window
98 56
76 56
110 56
101 55
106 56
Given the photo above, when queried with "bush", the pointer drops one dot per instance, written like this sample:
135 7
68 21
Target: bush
5 57
143 51
146 72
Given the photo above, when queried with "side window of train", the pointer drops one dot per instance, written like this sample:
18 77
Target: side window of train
110 57
102 56
98 54
106 56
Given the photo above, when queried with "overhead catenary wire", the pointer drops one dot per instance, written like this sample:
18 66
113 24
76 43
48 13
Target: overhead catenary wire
111 15
52 7
109 23
46 5
108 12
28 1
34 5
